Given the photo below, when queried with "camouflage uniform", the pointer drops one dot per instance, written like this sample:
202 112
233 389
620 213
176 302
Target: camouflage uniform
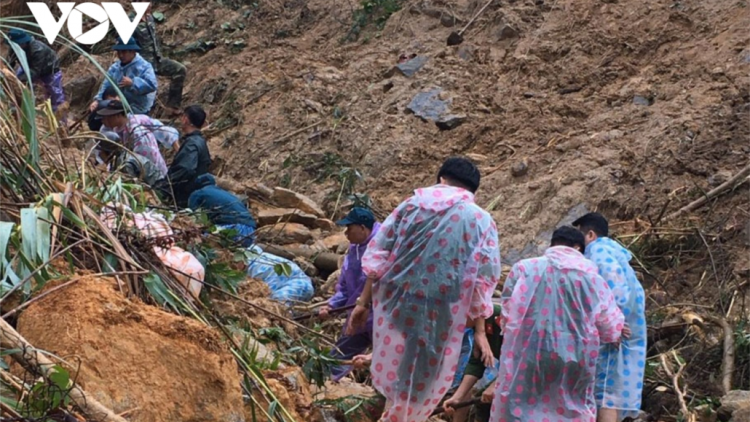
145 35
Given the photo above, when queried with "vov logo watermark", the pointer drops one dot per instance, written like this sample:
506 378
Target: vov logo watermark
104 14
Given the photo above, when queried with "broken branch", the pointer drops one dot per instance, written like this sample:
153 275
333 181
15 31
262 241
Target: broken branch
734 181
727 365
680 393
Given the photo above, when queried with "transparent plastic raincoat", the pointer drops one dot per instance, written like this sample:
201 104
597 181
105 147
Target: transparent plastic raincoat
619 373
437 262
556 309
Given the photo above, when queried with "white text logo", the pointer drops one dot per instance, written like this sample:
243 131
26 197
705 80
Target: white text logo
107 12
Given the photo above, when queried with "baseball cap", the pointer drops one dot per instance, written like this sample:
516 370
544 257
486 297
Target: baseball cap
360 216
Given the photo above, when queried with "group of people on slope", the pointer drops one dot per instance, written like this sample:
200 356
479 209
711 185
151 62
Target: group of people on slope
140 60
565 342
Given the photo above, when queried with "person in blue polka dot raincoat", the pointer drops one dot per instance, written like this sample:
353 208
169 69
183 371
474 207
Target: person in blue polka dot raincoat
620 369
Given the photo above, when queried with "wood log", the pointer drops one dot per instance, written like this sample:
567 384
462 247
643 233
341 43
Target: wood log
736 180
36 363
325 261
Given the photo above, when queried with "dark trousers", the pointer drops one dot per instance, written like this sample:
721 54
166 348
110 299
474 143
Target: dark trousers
348 347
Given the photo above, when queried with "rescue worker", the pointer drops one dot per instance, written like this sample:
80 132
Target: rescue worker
43 64
133 75
145 35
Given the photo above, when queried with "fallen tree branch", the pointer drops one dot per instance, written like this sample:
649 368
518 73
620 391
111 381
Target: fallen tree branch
727 365
680 393
734 181
28 357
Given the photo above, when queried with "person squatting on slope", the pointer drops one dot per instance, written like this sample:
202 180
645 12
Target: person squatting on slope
224 210
145 35
117 158
434 263
167 136
135 136
475 371
361 227
556 310
133 75
44 66
191 161
620 370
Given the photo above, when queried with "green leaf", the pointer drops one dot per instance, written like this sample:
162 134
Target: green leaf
60 377
111 263
283 269
8 277
159 291
158 16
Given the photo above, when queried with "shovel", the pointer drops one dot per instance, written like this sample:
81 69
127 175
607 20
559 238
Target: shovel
456 38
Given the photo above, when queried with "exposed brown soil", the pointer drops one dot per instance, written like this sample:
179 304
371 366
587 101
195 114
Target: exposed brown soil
633 108
134 357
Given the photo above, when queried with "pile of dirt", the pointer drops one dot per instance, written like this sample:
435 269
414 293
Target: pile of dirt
136 358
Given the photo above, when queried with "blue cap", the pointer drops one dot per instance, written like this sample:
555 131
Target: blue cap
131 45
19 36
358 215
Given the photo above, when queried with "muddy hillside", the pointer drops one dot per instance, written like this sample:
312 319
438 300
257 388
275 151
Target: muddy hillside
632 108
637 109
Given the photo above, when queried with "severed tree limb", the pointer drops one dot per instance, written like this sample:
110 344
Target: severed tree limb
734 181
37 363
727 365
680 393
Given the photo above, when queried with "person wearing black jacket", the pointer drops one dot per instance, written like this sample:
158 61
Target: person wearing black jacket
192 160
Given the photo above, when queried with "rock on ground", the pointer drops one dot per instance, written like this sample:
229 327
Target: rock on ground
270 216
285 234
290 199
135 356
732 403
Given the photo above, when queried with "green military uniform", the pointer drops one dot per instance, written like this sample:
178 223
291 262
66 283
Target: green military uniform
476 368
145 35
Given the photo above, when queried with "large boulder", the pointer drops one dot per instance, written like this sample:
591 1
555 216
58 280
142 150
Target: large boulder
271 216
732 403
137 358
80 90
289 199
337 243
285 234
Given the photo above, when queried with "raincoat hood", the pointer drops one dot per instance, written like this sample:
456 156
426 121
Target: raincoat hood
205 180
442 197
567 258
622 255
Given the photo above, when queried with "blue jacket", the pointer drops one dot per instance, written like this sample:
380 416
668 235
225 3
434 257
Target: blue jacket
142 94
222 207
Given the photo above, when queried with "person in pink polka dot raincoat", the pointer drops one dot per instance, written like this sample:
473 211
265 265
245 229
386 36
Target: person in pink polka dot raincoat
556 310
431 269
